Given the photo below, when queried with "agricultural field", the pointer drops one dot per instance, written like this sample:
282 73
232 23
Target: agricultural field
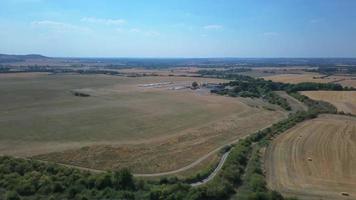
149 124
315 159
343 100
348 82
300 77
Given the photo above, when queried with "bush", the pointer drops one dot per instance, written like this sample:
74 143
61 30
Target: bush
12 195
123 180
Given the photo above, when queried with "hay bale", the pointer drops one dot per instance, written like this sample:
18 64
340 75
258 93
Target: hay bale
345 194
310 159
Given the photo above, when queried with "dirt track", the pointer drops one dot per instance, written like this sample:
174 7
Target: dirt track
315 159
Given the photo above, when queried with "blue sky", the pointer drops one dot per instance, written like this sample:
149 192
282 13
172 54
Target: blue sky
179 28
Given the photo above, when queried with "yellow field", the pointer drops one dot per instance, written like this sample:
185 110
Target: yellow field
350 82
298 78
124 123
315 159
343 100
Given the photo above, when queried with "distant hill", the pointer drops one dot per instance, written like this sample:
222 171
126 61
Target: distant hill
6 58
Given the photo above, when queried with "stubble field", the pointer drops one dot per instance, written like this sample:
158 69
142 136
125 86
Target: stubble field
315 159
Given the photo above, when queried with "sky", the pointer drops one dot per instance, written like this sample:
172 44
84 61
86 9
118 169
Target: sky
179 28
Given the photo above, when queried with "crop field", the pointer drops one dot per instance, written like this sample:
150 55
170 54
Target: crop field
350 82
343 100
315 159
299 78
124 122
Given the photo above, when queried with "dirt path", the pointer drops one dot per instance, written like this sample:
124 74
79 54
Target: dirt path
209 178
195 163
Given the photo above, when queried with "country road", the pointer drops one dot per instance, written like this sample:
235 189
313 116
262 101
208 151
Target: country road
216 170
210 177
193 164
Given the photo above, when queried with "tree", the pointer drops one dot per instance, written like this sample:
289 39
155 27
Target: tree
123 180
103 181
12 195
195 85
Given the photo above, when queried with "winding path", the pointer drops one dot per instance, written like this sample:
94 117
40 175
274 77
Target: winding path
207 179
213 174
193 164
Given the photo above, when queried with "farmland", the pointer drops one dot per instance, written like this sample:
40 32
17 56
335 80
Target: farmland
299 78
123 123
315 159
350 82
344 101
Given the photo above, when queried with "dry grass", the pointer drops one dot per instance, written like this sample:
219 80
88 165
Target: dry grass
174 152
294 103
343 100
315 159
120 124
23 75
208 163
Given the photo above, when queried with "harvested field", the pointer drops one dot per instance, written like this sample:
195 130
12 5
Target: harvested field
315 159
149 129
343 100
350 82
299 78
23 75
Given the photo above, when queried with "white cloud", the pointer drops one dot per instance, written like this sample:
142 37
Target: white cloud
59 26
270 34
116 22
213 27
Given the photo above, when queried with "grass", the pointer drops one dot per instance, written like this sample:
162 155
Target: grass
120 124
43 109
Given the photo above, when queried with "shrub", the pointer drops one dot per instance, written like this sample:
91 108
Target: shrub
12 195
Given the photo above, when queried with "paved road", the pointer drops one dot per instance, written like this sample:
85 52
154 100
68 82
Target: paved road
212 175
193 164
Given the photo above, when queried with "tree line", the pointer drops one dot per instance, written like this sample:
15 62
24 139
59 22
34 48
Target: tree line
246 86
